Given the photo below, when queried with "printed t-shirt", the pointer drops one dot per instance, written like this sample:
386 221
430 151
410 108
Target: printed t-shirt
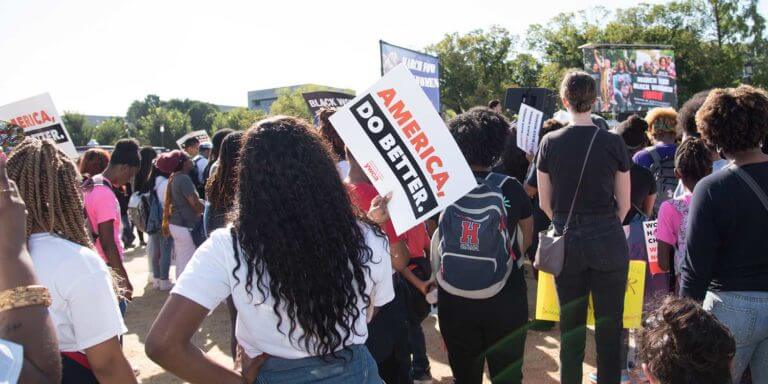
207 280
84 310
670 225
102 206
181 213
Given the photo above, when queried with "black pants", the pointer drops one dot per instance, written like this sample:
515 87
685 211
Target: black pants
418 310
492 330
596 262
388 337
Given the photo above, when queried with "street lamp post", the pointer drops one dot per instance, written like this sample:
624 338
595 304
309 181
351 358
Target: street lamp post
748 72
162 135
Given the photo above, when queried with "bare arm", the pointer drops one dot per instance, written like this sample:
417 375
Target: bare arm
666 253
545 193
526 227
107 239
622 192
196 204
169 344
530 190
30 327
648 204
109 364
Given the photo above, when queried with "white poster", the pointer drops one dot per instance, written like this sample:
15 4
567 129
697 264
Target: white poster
201 136
405 148
38 117
649 227
528 125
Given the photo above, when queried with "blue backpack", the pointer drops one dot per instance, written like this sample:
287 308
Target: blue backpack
475 250
146 212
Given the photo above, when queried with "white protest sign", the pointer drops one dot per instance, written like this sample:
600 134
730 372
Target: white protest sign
528 126
38 117
651 246
202 137
402 144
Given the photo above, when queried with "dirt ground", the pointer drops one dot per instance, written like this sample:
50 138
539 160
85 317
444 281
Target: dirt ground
541 355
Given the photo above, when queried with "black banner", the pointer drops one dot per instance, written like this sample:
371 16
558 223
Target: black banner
325 99
393 150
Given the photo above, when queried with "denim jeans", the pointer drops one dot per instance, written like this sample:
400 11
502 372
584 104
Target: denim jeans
159 249
746 315
127 235
355 366
596 262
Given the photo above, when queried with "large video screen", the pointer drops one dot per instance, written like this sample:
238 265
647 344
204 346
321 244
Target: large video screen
631 80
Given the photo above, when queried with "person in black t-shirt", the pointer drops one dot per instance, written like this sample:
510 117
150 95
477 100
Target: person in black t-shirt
491 329
643 193
725 263
596 252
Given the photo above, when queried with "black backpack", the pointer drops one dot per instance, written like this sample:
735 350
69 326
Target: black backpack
664 173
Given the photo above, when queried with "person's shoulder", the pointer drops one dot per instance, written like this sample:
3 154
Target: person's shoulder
73 259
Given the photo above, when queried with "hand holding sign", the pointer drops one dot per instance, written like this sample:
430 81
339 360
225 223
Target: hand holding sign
404 147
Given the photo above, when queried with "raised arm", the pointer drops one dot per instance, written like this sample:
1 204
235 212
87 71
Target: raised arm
622 191
545 193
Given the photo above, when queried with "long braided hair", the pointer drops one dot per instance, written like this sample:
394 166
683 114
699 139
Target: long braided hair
49 183
693 160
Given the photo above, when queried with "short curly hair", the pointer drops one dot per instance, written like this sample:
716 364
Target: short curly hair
686 115
580 90
682 343
734 119
480 134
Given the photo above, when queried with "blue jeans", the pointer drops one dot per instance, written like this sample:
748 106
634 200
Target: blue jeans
354 366
746 315
127 231
159 250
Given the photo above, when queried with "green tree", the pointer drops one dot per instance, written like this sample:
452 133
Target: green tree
477 67
176 124
78 127
110 131
201 114
238 119
291 103
141 108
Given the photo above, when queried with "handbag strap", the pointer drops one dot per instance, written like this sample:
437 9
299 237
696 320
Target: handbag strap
751 183
581 177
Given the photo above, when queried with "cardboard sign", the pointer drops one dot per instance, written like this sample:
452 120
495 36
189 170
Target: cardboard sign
325 99
649 228
202 136
548 307
528 126
404 147
38 117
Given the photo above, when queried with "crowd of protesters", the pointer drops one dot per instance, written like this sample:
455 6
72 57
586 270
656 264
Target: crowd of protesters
282 223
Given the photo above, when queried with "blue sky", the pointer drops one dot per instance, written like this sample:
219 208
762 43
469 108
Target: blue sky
97 56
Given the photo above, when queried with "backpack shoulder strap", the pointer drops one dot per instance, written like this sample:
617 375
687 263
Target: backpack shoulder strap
654 153
751 183
497 179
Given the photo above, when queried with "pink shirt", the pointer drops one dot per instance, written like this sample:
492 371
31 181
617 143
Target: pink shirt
669 227
101 206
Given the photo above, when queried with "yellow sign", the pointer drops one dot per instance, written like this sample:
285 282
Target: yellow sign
548 307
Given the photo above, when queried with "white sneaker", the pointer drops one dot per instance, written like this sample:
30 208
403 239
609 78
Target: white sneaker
165 285
155 283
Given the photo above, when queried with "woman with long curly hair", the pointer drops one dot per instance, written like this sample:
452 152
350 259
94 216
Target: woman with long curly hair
304 270
222 184
84 309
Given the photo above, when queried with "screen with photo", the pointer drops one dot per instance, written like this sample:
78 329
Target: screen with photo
632 79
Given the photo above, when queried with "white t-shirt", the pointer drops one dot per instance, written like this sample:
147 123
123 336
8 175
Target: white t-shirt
11 361
161 182
343 167
84 309
207 280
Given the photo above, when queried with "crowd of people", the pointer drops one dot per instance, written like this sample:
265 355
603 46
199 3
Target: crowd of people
282 223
